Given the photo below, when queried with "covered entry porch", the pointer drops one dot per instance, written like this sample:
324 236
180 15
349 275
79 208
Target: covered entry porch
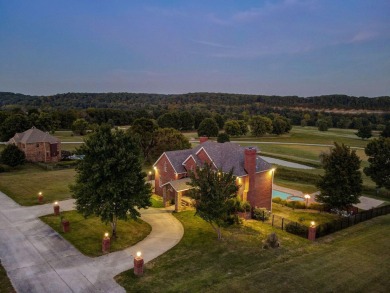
173 191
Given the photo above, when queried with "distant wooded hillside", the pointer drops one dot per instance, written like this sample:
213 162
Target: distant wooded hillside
132 101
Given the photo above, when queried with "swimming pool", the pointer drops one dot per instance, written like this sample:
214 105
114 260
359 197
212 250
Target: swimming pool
284 195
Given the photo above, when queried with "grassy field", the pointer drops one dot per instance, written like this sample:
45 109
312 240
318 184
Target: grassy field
5 283
24 183
352 260
86 234
303 216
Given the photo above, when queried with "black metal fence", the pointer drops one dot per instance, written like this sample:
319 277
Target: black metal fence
285 224
337 225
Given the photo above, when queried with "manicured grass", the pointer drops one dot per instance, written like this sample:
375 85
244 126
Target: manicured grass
70 147
352 260
86 234
157 201
67 135
5 283
24 183
303 216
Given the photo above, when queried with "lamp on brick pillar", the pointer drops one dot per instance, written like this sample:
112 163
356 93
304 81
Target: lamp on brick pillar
40 197
56 208
138 264
106 243
312 231
150 175
307 197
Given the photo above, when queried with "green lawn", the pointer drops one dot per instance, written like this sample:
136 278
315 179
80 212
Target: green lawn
157 201
67 135
352 260
5 283
86 234
24 183
301 215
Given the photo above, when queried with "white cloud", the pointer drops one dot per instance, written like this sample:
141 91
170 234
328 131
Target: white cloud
363 36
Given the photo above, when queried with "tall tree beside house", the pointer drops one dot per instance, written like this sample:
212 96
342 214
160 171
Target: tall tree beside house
168 139
341 185
13 124
212 191
378 152
208 127
109 181
12 156
143 130
243 126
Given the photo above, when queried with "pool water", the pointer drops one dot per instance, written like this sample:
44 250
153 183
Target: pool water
284 195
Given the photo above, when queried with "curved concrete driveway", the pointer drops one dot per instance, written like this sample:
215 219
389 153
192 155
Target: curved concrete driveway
38 259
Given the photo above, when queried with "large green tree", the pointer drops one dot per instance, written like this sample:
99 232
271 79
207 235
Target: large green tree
378 152
168 139
212 190
341 185
12 156
13 124
260 125
364 132
143 130
208 127
109 181
232 128
80 126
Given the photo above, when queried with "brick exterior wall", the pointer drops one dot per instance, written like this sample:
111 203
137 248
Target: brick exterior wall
256 188
164 173
202 155
40 152
263 190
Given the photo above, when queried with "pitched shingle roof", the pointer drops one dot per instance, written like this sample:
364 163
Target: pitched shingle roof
225 156
33 135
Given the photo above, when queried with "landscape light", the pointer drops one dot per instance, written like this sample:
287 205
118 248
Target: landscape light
307 196
150 172
40 193
56 203
312 224
138 253
106 234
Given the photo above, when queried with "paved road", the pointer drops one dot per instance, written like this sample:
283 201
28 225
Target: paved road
38 259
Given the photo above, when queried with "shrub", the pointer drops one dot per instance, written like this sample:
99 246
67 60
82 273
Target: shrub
223 137
277 200
12 156
317 206
261 214
272 241
296 228
296 204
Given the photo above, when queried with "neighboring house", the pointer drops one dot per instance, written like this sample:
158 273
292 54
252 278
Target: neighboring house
38 146
254 175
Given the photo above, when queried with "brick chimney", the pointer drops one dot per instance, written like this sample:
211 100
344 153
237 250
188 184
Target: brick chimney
250 168
203 139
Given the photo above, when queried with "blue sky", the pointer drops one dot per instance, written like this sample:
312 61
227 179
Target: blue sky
275 47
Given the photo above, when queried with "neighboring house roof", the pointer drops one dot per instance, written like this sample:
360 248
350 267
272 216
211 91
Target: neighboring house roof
225 156
33 135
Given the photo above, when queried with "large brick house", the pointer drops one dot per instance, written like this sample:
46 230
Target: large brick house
38 146
254 175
